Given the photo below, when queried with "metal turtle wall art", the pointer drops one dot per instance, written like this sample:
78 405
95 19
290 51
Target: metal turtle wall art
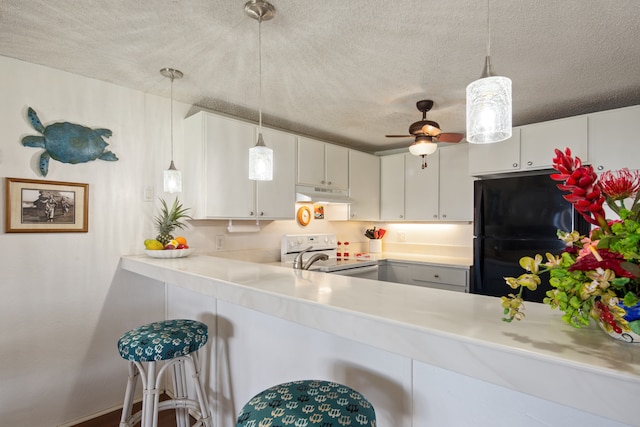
67 142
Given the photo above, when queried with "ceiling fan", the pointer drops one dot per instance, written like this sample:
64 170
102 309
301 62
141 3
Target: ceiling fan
426 134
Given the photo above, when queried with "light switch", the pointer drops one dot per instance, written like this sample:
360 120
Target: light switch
148 193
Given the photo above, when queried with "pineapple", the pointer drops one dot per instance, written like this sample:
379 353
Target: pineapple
169 220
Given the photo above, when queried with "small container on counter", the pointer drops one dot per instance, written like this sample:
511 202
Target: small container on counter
345 253
375 245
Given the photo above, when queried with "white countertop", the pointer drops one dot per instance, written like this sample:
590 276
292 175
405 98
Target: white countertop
460 332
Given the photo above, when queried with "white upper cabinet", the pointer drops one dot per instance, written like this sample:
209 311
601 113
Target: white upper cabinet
323 165
392 187
539 141
456 185
364 186
217 183
613 139
531 147
276 199
443 191
421 188
498 157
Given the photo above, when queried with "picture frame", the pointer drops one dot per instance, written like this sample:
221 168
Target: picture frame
36 206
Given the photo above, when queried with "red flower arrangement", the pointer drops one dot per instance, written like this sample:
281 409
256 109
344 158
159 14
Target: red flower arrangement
597 276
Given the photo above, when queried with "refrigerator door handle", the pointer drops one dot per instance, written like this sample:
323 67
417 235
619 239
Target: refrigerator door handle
478 256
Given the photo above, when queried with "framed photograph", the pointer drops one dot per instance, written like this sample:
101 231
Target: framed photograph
46 206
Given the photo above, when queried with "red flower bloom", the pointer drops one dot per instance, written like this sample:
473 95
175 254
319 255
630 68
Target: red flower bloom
580 182
610 261
621 184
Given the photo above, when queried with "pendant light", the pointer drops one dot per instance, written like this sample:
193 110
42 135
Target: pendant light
172 176
489 103
260 156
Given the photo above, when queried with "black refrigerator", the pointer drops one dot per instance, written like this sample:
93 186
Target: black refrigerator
517 216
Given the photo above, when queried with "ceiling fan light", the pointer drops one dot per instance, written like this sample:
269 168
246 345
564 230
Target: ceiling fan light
423 148
489 108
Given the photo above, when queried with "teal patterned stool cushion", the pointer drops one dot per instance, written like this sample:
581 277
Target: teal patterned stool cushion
163 340
307 403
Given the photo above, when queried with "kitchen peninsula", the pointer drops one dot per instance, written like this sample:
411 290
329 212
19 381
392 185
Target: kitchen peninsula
422 356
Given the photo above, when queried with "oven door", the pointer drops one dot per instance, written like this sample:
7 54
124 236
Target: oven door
369 272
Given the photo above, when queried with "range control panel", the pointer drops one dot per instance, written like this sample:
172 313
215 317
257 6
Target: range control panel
294 243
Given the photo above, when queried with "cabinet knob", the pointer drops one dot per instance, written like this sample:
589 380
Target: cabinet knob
515 165
600 167
435 215
329 183
444 215
401 216
261 213
322 182
251 213
437 276
529 163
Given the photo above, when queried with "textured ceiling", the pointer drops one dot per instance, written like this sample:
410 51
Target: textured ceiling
346 70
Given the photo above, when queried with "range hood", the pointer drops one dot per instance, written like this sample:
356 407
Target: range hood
306 193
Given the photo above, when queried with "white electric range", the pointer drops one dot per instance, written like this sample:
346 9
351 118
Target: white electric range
313 244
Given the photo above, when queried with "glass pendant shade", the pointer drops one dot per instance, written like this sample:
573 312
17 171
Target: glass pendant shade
423 148
172 179
489 108
260 161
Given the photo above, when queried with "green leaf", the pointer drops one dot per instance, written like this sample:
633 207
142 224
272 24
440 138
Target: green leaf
635 326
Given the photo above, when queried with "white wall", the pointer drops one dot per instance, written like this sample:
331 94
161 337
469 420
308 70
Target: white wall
64 305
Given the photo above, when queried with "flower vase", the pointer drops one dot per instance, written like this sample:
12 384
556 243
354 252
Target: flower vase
632 315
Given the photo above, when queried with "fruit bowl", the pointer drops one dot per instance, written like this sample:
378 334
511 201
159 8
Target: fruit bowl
169 253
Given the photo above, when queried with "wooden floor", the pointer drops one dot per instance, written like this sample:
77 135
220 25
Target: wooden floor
165 418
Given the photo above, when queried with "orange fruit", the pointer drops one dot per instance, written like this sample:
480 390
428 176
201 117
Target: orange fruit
181 240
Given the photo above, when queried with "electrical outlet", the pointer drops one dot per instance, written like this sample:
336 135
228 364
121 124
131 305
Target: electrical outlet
148 193
402 237
219 242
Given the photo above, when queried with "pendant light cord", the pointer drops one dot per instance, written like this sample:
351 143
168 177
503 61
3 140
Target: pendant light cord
488 31
260 75
171 118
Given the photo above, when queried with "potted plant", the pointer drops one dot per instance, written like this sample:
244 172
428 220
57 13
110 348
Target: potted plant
596 276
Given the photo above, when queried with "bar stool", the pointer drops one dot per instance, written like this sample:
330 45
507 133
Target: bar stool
308 402
176 342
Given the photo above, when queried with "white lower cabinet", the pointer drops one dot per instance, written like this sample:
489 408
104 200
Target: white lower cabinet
427 275
217 183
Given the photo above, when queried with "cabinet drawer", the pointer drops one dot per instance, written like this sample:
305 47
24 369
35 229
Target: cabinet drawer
420 274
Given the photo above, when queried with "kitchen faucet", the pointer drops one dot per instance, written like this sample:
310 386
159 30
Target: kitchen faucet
299 265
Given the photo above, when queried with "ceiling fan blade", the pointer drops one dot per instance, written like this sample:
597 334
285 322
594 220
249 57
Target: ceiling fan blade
450 137
399 136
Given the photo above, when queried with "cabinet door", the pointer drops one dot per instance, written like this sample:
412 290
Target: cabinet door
336 167
503 156
421 188
613 139
392 187
276 199
539 141
310 162
364 186
456 186
230 192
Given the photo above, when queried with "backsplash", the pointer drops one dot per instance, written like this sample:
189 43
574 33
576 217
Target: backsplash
264 246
